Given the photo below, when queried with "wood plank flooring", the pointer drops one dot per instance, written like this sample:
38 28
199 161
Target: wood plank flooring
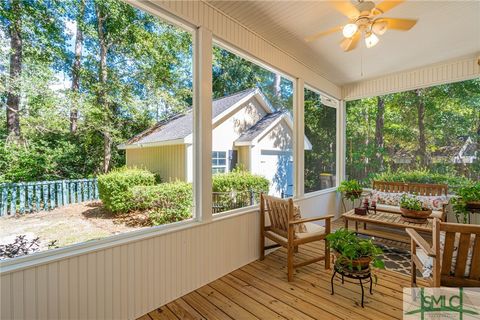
260 290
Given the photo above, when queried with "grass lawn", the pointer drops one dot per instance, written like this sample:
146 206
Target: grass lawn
68 225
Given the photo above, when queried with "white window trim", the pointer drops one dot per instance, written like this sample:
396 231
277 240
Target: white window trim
76 249
202 67
202 95
339 140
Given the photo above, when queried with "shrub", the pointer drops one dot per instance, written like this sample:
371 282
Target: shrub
19 247
423 176
165 202
239 180
115 187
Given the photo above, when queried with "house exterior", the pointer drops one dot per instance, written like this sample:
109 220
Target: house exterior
465 152
247 131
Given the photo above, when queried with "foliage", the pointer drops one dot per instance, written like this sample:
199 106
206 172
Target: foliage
232 74
351 188
115 187
165 203
149 77
466 194
22 246
454 182
320 129
350 247
388 139
410 202
239 180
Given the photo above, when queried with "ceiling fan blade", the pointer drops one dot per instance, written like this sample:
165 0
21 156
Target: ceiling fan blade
346 8
317 35
349 44
399 24
388 5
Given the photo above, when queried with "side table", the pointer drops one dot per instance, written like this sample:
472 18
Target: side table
351 274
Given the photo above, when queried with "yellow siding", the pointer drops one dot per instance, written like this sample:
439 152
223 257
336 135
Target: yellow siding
243 157
168 161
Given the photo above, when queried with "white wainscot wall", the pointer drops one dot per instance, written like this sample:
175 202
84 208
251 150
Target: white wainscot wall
129 280
320 204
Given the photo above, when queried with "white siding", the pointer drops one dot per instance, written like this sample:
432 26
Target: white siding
129 280
451 71
225 133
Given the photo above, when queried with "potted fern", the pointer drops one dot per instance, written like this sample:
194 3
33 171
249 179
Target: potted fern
351 189
413 210
353 253
467 200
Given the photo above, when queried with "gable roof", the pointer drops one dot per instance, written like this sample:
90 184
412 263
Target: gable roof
258 128
179 127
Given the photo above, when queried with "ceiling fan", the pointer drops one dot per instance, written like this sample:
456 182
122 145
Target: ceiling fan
365 19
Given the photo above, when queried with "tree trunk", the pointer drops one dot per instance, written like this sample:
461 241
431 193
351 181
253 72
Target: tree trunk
422 144
13 96
379 124
76 68
101 93
276 86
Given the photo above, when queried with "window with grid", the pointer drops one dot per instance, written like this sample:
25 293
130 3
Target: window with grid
219 162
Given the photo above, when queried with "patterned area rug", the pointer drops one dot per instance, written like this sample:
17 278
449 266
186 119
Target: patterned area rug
396 259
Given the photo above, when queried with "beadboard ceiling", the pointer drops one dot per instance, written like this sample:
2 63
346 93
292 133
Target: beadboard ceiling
445 30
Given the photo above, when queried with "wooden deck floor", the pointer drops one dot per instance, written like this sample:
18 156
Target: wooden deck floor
260 291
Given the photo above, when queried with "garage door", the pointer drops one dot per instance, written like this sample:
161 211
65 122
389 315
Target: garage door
277 167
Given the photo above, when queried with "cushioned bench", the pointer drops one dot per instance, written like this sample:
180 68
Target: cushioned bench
434 196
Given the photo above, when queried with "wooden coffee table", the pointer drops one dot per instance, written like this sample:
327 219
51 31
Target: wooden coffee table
385 219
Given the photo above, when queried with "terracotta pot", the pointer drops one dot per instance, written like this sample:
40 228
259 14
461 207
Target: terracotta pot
363 262
473 205
416 216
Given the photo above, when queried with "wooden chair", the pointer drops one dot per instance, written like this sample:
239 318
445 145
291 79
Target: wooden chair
444 271
281 229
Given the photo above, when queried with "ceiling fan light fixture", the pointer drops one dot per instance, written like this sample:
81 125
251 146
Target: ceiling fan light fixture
349 30
380 27
371 40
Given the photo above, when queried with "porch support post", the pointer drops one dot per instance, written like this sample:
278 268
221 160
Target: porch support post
298 138
202 115
341 141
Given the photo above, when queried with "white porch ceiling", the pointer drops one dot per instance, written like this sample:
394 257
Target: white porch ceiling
445 30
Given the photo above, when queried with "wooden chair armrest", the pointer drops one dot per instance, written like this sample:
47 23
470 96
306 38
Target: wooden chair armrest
422 243
292 222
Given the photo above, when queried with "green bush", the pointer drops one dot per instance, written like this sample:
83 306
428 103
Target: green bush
165 202
116 186
239 180
423 176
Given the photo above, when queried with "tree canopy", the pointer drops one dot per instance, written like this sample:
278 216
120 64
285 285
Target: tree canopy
78 77
420 129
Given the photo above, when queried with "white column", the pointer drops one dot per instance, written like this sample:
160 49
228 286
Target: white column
298 138
341 141
202 115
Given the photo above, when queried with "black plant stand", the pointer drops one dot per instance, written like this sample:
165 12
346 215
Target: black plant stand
356 275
